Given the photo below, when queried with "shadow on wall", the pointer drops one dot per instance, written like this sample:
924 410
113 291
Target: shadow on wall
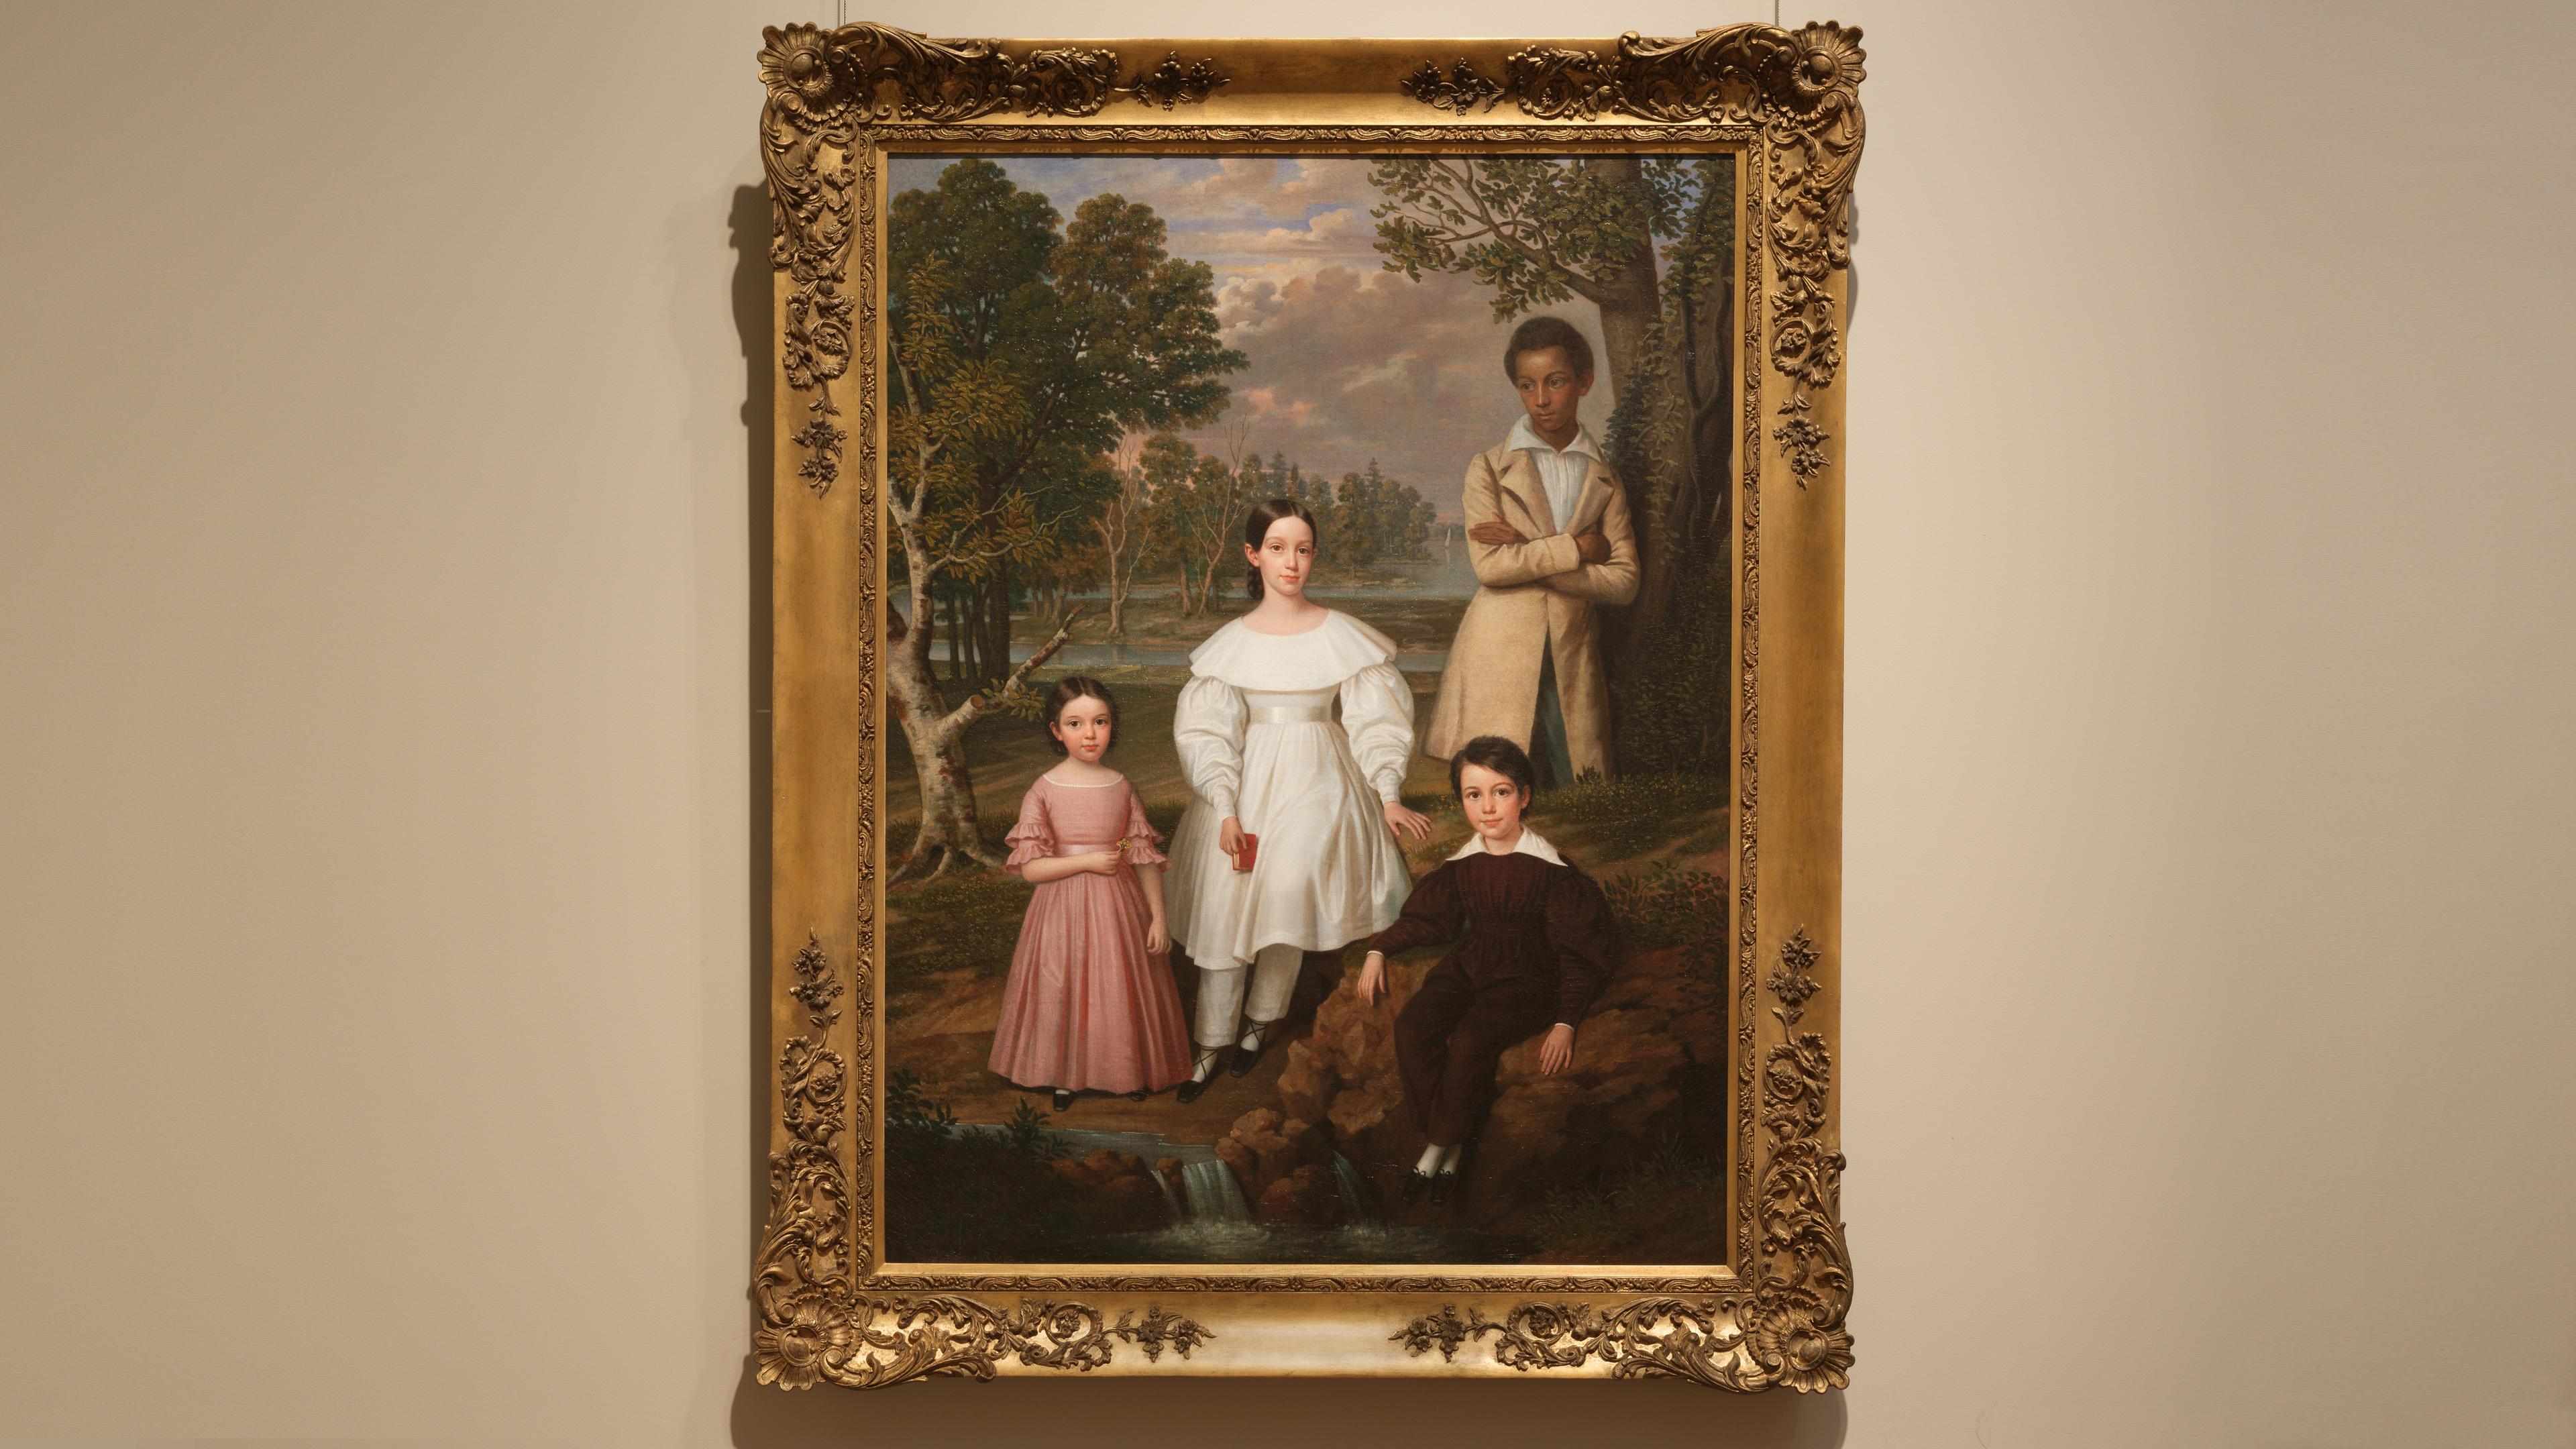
749 223
1124 1412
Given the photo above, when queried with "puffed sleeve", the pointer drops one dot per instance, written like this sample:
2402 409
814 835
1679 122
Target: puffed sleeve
1377 713
1433 915
1033 838
1584 937
1207 728
1140 833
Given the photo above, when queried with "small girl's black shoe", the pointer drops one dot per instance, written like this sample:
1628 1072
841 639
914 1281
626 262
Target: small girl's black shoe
1063 1099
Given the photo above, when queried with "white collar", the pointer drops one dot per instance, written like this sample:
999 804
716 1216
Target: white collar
1530 843
1525 436
1320 658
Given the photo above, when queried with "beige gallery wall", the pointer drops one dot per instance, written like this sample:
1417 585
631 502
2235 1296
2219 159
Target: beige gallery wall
377 736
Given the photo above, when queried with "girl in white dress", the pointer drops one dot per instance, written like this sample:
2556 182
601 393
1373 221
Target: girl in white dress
1309 804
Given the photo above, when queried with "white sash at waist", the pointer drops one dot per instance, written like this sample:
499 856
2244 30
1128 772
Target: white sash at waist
1291 714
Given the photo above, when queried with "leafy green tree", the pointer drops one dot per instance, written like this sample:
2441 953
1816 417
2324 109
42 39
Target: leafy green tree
1103 329
1018 357
1193 516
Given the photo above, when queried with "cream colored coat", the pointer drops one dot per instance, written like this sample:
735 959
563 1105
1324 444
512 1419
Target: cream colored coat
1534 593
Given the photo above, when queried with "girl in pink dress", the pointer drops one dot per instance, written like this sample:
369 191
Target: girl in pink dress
1090 1005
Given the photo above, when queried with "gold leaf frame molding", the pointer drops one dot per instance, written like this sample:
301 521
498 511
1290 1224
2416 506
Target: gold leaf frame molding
828 1308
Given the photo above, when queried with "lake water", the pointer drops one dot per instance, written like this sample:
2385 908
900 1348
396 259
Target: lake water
1444 576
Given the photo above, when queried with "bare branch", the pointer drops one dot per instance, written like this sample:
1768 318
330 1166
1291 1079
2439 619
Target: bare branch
977 706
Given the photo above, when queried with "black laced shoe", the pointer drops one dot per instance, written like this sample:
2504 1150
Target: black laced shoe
1063 1099
1245 1056
1196 1087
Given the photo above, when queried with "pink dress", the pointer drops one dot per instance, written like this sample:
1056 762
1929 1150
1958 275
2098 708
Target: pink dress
1086 1009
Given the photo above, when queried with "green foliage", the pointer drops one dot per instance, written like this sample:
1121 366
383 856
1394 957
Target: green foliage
1633 815
1374 518
908 1107
1667 905
1679 1177
1670 445
955 1193
1535 230
1027 1134
1196 506
964 920
1674 716
1020 356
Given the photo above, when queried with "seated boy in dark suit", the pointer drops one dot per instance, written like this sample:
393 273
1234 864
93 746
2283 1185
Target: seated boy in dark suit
1538 947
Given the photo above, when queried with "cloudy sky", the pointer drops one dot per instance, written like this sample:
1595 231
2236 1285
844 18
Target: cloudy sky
1349 362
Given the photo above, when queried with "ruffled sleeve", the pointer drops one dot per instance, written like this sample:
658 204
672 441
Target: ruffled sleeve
1034 837
1140 833
1377 714
1207 728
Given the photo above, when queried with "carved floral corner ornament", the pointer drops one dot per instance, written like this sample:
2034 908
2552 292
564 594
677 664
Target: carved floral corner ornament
825 1315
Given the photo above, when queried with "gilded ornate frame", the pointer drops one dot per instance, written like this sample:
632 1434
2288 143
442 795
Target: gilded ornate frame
838 101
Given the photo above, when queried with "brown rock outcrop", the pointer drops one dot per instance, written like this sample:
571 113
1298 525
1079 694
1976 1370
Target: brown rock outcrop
1266 1150
1647 1058
1122 1178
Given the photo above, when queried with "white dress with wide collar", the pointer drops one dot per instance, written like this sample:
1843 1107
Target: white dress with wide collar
1259 741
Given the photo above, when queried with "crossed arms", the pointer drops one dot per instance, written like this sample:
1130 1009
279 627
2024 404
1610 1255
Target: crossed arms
1598 564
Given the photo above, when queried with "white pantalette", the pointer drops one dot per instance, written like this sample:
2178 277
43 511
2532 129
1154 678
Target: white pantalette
1228 1000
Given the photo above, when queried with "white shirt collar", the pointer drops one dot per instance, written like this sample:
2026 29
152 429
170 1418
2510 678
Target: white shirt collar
1530 843
1525 436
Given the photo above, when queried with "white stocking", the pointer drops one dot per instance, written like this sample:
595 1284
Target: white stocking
1450 1155
1274 981
1430 1162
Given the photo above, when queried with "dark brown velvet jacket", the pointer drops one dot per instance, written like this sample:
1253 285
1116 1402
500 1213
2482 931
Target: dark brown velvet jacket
1523 918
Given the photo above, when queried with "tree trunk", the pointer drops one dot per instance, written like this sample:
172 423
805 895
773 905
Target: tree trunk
993 626
948 827
1119 588
1631 301
1207 588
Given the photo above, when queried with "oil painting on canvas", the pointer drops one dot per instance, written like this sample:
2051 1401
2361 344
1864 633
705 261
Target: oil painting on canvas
1307 810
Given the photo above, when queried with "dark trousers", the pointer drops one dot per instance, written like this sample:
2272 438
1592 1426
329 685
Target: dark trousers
1451 1035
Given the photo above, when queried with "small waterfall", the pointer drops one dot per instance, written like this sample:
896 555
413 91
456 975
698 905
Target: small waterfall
1354 1191
1171 1198
1215 1197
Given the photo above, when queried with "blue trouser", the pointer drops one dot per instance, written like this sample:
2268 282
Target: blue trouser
1547 733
